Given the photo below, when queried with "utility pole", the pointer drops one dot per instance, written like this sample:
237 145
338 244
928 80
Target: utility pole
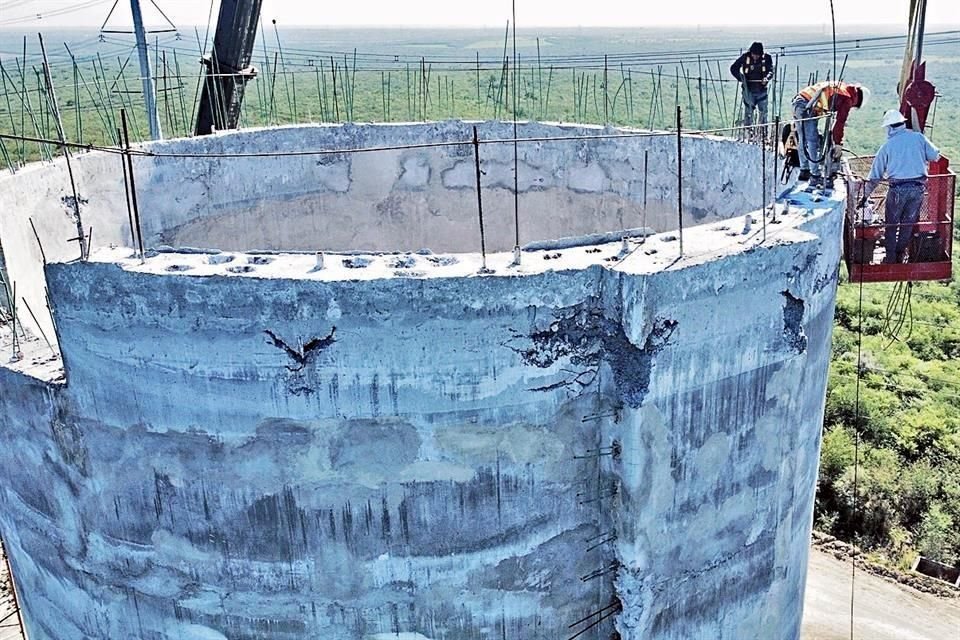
149 95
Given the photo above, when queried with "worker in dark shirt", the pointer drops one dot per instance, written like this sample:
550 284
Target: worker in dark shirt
815 101
754 70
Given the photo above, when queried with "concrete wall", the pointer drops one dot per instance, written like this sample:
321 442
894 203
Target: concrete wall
397 446
249 457
384 201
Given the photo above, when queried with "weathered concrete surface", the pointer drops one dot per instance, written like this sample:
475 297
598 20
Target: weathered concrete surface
401 446
225 463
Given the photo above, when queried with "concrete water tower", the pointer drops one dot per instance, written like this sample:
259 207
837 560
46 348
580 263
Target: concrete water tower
388 441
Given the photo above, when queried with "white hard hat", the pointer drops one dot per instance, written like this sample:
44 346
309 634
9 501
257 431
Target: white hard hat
892 117
866 96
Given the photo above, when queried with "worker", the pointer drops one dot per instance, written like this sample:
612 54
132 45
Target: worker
818 100
754 70
902 160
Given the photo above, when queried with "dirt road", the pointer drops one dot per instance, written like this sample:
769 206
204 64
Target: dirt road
883 610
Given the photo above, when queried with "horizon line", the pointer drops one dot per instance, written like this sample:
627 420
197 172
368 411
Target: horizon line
738 26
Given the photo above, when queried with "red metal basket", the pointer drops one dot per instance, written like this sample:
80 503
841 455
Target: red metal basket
928 255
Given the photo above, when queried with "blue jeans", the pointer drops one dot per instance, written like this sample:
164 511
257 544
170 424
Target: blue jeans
754 99
809 137
902 212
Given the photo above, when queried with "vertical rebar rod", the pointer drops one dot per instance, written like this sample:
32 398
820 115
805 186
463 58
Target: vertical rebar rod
26 108
6 157
776 72
273 88
183 104
409 101
133 113
476 160
102 105
126 194
546 106
55 108
108 93
606 106
576 107
646 159
86 86
13 125
166 94
76 102
776 166
283 71
723 93
516 161
420 97
680 177
12 299
353 81
325 103
653 100
660 89
539 80
23 81
133 183
37 323
43 254
267 81
763 187
703 124
44 108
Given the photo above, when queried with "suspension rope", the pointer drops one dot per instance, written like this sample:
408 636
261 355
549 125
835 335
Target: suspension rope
856 455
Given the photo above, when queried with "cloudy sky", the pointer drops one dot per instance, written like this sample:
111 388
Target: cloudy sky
22 14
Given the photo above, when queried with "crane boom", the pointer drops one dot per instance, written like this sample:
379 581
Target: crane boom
227 68
916 93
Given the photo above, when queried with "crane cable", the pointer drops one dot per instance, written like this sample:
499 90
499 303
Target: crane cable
899 312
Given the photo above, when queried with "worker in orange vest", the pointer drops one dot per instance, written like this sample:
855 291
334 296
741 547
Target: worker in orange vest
818 100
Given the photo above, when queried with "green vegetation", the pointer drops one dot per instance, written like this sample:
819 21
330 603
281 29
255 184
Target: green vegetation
904 497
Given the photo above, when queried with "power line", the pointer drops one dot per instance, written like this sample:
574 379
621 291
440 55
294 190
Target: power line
80 6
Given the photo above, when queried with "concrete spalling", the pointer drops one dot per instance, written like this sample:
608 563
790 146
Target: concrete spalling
341 421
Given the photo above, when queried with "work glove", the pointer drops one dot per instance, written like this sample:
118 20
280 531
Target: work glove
836 153
862 203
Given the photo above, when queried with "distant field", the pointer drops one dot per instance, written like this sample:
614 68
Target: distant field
633 77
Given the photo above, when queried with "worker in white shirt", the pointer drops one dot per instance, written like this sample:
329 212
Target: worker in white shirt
902 161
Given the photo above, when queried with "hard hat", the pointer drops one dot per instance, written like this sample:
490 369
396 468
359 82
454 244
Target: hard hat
892 117
866 96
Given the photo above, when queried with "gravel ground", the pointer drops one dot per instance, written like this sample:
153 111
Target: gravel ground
883 610
9 627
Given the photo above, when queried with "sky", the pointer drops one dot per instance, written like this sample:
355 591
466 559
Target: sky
22 14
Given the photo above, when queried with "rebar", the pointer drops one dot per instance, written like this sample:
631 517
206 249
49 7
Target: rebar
133 184
476 159
54 107
680 177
